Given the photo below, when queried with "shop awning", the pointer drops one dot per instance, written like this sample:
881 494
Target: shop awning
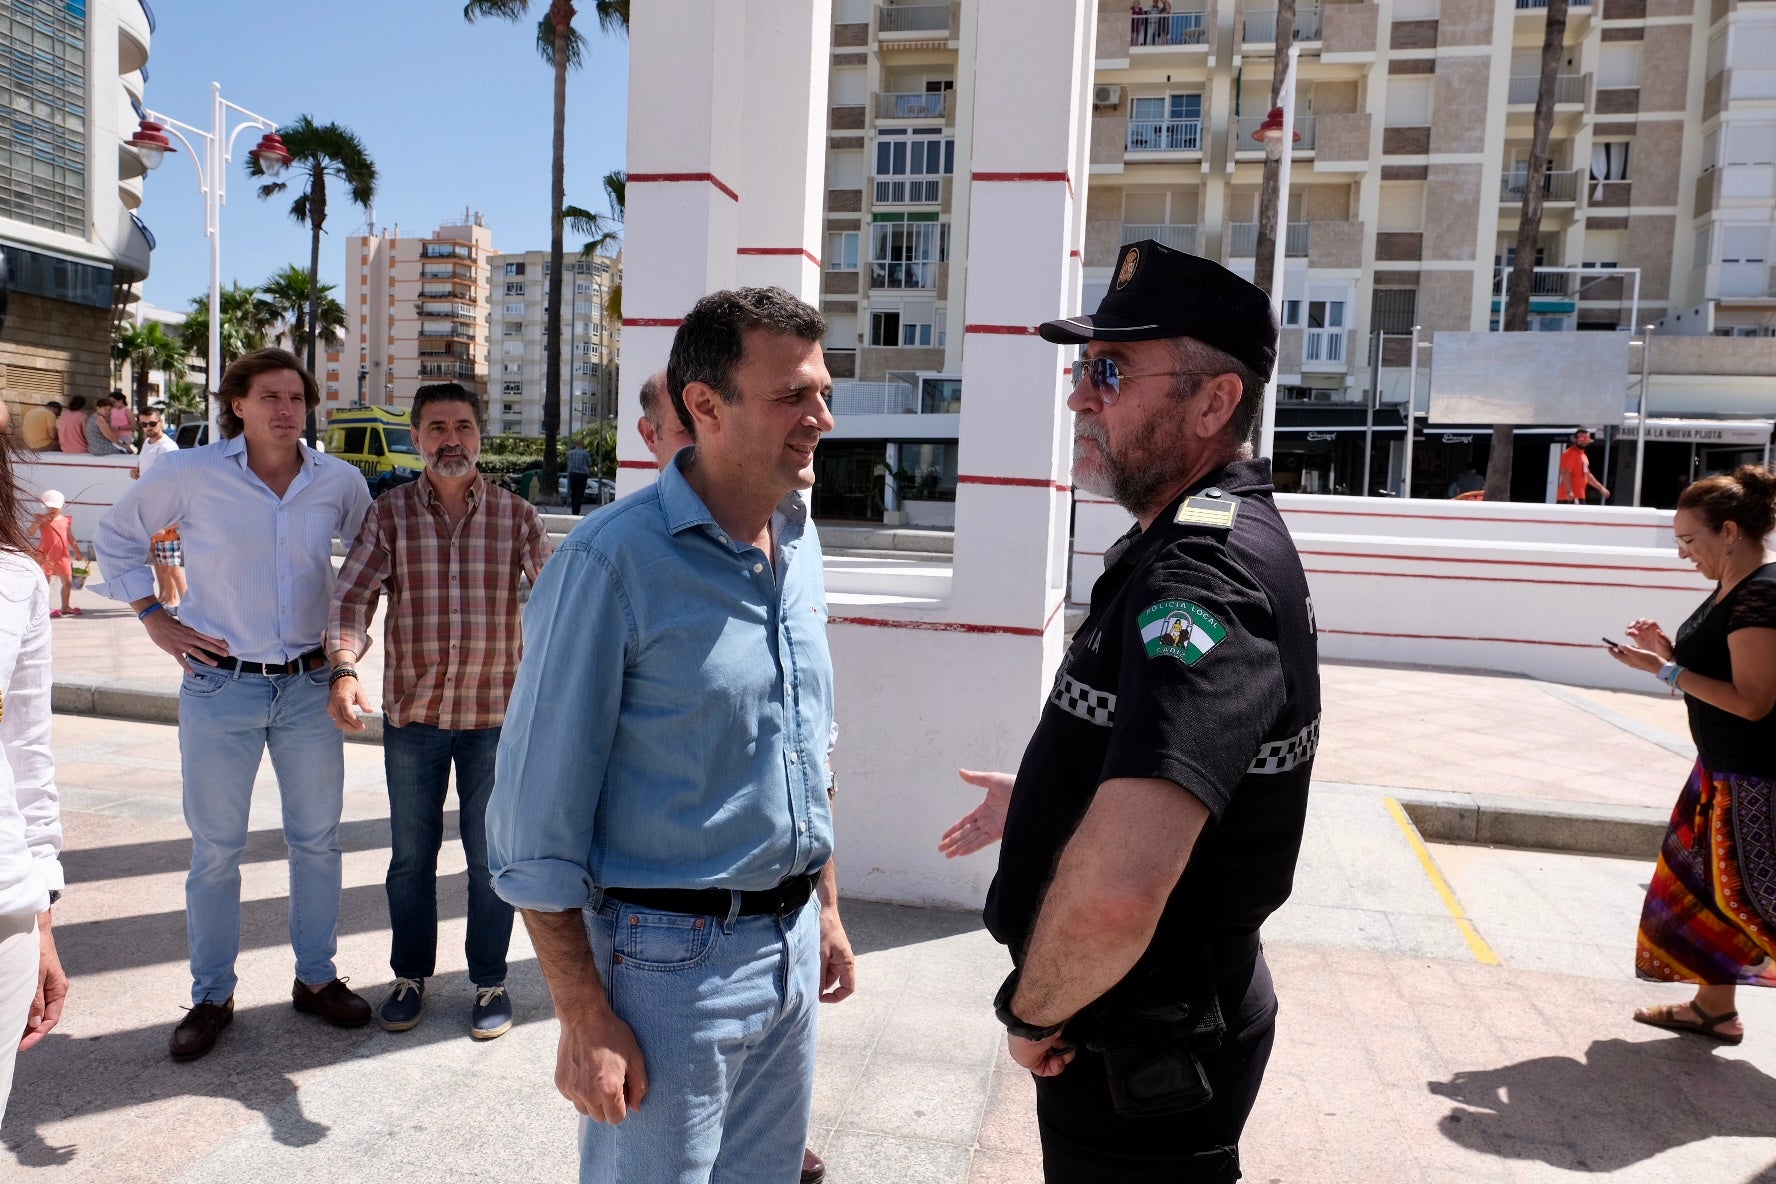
1751 432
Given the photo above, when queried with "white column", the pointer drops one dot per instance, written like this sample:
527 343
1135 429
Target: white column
786 57
683 215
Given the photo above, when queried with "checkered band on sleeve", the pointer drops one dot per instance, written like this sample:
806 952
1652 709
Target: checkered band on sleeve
1075 698
1280 756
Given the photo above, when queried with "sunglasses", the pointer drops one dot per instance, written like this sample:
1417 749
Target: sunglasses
1106 378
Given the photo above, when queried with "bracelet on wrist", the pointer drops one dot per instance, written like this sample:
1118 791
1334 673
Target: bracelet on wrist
1669 673
340 672
156 607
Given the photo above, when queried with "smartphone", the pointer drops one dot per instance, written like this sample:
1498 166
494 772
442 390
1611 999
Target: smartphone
1612 644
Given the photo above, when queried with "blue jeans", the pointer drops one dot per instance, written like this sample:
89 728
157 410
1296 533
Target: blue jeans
417 760
227 721
723 1009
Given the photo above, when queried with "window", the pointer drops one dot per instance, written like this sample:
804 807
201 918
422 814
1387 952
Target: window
512 368
1165 123
911 164
509 408
43 159
1393 310
906 254
512 390
515 289
841 250
354 441
885 328
582 308
1408 102
1609 161
582 287
514 328
514 309
514 269
1618 64
513 349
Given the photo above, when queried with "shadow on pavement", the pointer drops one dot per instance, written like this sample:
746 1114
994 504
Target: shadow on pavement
160 856
872 926
1626 1102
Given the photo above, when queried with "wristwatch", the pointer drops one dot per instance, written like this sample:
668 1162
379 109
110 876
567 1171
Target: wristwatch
1017 1027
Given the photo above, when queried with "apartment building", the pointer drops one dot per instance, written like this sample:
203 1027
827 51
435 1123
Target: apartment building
72 80
416 312
517 366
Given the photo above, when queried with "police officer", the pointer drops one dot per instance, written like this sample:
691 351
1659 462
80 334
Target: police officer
1155 820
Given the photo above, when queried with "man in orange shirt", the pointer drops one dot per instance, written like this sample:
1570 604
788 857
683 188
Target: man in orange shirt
1575 472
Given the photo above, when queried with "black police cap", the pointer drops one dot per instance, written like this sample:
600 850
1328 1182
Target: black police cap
1158 292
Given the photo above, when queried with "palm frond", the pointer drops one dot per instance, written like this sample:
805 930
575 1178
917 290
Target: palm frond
505 10
613 15
576 45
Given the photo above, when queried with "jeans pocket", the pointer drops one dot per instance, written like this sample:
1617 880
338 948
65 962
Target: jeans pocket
648 940
202 683
320 677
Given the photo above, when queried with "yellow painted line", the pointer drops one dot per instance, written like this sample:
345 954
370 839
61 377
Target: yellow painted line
1482 952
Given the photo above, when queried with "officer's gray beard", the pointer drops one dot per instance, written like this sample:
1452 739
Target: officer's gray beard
1136 480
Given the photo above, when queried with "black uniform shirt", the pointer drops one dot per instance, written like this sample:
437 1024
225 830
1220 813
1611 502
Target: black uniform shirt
1197 664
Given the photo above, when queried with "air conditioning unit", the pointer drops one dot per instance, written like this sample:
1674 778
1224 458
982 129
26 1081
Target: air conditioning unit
1106 96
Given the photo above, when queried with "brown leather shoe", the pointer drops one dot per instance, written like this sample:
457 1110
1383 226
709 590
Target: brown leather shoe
197 1032
336 1003
813 1171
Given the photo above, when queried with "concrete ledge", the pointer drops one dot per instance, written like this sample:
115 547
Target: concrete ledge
1588 828
148 703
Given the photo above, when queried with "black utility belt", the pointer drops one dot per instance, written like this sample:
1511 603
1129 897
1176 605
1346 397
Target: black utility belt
780 901
313 660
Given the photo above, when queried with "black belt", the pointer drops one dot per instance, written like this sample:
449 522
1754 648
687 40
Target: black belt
780 901
312 660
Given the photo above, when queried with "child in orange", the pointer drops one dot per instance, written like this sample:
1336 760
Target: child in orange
56 547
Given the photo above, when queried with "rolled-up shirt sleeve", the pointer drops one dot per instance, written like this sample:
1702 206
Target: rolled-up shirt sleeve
579 637
367 566
127 529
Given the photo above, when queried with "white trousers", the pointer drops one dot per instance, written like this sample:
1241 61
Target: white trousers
20 957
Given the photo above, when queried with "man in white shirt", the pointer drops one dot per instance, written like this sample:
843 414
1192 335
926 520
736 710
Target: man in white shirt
155 442
257 511
168 556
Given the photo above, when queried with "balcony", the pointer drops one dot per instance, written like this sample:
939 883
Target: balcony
1541 283
440 291
1242 240
909 191
874 398
1180 27
444 271
453 309
1165 135
447 370
900 274
1260 26
1543 4
913 18
1568 89
445 251
1179 238
1556 187
913 105
1243 141
1324 349
444 329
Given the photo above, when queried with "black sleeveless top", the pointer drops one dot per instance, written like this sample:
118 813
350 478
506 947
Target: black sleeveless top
1729 743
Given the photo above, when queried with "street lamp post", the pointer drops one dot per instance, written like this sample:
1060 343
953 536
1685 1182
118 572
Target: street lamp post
1279 136
152 143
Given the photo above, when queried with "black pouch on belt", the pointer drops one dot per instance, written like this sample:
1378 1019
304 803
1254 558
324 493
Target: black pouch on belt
1149 1030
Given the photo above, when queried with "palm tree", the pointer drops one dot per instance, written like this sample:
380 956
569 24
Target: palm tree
181 395
247 322
287 292
561 46
1515 317
604 233
1269 197
319 150
147 347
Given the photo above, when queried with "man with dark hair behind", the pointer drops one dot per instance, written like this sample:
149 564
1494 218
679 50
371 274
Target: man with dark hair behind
666 859
257 513
448 550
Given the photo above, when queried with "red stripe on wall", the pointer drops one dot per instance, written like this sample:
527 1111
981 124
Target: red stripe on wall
637 464
1569 645
679 178
1287 510
1488 562
950 626
1473 579
1004 330
1034 482
1025 178
802 251
652 322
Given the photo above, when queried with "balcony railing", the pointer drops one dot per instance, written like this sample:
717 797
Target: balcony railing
1178 28
909 191
464 312
445 251
444 271
912 105
1165 135
913 18
1544 3
902 274
1542 283
447 370
1242 240
874 398
1568 88
1261 26
1324 347
445 329
436 291
1179 238
1304 126
1555 187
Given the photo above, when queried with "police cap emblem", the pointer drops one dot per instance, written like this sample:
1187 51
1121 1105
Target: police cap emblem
1130 260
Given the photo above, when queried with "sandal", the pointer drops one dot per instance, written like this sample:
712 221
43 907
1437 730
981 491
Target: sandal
74 612
1665 1016
55 614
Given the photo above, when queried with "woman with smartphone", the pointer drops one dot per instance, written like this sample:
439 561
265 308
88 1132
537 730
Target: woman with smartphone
1710 913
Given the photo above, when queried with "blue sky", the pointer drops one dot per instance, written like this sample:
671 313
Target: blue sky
454 115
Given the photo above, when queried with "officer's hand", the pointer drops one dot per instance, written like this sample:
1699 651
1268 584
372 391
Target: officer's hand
599 1067
986 823
1044 1058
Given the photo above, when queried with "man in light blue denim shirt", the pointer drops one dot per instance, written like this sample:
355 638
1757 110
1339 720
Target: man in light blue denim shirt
660 810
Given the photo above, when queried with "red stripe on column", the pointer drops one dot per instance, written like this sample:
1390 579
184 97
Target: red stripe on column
680 178
1074 255
949 626
652 322
802 251
1026 178
1006 330
1031 482
637 464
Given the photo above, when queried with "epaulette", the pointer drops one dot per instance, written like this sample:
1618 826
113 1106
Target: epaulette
1212 509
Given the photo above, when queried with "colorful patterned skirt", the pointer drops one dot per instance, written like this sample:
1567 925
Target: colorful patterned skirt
1710 913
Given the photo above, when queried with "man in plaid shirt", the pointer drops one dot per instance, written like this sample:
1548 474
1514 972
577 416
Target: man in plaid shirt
448 549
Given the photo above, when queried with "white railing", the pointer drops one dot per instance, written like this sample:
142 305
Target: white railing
1242 240
1248 124
1261 26
912 105
1165 135
1179 238
1544 3
1176 28
1324 346
1556 186
909 191
873 398
914 18
1568 88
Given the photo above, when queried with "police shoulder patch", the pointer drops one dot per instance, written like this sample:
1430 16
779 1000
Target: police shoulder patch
1212 509
1180 629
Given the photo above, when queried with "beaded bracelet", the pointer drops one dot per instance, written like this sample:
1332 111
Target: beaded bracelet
340 672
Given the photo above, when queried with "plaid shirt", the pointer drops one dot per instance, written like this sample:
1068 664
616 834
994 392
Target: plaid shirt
454 633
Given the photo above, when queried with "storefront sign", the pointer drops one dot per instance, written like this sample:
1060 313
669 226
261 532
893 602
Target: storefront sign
1687 431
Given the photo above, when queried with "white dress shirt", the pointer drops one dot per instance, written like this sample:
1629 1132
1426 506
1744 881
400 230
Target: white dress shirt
152 451
261 566
30 804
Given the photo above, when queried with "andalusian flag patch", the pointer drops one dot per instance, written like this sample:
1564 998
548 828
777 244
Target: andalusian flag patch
1180 629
